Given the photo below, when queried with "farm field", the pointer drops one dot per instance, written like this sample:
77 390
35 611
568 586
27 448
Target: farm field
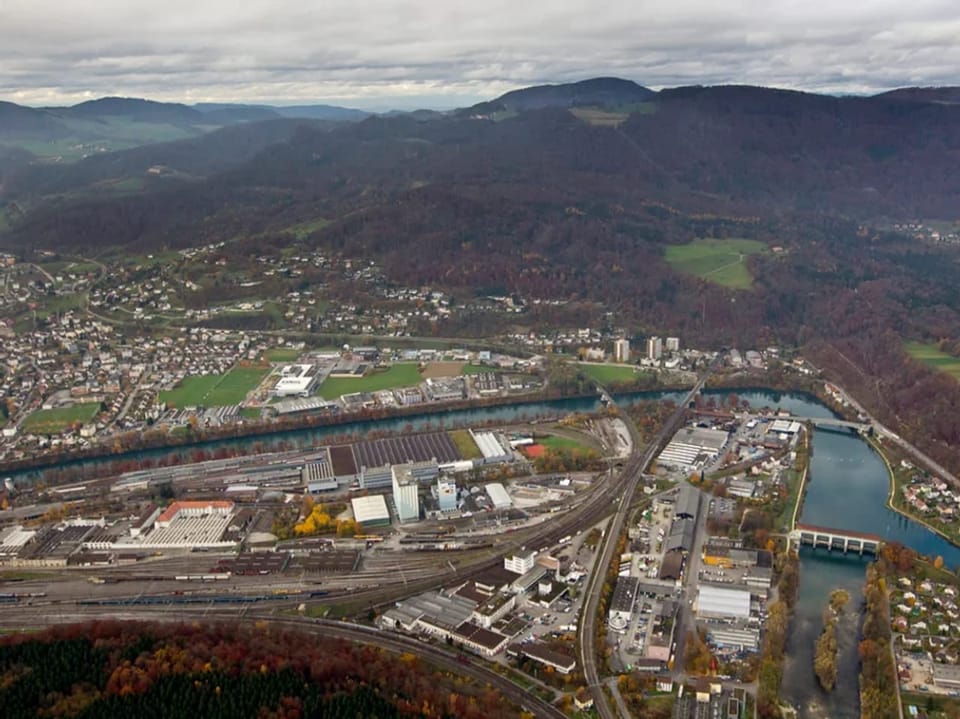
609 373
402 374
928 353
52 421
214 390
723 262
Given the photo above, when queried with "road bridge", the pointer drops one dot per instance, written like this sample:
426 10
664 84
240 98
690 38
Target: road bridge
833 422
836 539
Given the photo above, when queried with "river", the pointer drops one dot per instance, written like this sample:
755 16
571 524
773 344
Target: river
99 467
847 489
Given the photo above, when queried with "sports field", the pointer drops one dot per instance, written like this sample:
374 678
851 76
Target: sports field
213 390
402 374
609 373
928 353
723 262
555 443
53 421
283 354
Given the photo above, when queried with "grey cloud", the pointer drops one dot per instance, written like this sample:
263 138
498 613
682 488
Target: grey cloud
407 50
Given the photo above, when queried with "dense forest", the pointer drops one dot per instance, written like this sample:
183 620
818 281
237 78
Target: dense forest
112 669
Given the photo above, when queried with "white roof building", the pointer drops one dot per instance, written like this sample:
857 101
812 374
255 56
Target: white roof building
498 495
713 602
371 509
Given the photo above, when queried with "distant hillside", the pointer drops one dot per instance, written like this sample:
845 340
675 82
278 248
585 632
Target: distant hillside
603 91
193 158
17 121
224 114
945 95
134 109
321 112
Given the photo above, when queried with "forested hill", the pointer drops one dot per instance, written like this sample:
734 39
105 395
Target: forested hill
585 206
111 669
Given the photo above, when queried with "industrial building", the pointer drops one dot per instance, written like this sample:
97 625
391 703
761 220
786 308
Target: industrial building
447 495
621 604
722 603
317 475
519 563
746 639
672 344
693 447
406 495
681 535
540 652
187 525
784 426
688 502
297 380
447 617
491 448
946 676
498 495
371 511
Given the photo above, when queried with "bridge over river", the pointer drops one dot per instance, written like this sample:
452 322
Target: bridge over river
829 422
840 540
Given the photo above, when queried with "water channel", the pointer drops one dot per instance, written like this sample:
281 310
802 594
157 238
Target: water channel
848 487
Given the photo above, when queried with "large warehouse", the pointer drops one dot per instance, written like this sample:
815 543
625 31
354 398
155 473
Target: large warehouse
722 603
371 511
498 495
692 447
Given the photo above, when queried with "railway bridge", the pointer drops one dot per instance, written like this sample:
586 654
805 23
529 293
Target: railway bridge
840 540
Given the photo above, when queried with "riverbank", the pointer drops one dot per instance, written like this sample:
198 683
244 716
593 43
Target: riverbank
121 447
895 488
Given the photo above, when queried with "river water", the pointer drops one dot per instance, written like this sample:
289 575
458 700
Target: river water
847 489
96 468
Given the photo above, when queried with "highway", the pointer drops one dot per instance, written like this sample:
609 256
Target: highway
457 664
630 477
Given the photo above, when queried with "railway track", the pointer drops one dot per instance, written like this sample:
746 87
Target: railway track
22 617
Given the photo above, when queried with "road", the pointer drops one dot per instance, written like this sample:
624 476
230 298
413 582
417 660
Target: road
18 618
631 476
885 432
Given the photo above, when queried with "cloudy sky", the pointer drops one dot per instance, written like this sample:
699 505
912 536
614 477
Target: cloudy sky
446 53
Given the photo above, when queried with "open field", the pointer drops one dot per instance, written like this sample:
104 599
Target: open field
52 421
723 262
477 369
465 445
454 369
928 353
442 369
555 443
214 390
282 354
609 373
600 117
305 229
402 374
